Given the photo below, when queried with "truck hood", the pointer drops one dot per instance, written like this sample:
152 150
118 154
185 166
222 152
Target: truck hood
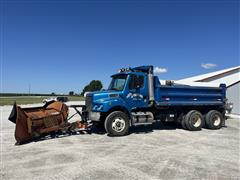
99 96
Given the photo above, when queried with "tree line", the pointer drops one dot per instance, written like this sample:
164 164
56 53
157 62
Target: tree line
94 85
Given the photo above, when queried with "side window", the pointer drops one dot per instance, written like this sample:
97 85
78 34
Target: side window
132 80
136 82
141 81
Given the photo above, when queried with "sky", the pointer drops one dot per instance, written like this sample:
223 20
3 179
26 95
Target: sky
60 46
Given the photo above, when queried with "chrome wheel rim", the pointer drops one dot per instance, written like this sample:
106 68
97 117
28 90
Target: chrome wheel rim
118 124
216 120
196 121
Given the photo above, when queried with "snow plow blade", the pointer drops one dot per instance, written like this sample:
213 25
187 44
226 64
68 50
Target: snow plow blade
37 121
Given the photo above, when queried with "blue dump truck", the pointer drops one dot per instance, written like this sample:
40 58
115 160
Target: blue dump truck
136 97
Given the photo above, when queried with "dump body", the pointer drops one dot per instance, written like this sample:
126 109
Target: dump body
184 95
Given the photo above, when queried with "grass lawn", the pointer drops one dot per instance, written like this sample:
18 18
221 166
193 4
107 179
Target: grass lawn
31 99
76 98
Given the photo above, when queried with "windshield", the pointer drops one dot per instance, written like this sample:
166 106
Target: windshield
118 82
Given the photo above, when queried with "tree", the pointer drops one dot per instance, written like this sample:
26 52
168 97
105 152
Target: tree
94 85
71 93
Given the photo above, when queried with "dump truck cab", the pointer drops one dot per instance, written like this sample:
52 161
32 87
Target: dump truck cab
127 91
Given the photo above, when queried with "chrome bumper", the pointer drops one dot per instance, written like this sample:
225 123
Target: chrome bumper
94 116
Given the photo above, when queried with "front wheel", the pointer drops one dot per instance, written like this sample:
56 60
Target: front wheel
117 124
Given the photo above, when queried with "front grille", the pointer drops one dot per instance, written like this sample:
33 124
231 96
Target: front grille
88 103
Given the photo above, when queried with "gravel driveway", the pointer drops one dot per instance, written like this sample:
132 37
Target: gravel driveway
153 152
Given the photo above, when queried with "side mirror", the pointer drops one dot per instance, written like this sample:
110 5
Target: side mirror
137 85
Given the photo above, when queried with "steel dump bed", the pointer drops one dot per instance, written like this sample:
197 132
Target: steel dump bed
189 95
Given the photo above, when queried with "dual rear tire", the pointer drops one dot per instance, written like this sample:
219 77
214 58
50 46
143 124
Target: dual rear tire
194 120
214 120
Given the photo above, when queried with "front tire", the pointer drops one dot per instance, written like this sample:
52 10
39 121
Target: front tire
117 124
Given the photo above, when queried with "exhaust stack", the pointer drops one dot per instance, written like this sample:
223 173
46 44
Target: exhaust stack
150 85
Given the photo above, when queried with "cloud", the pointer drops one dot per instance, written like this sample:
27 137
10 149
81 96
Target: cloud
208 65
159 70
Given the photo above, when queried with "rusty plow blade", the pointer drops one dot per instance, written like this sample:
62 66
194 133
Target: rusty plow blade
38 121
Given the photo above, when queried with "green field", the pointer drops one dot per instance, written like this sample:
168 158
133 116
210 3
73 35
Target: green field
31 99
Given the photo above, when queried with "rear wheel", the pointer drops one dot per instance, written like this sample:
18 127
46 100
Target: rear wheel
193 120
214 119
117 123
183 122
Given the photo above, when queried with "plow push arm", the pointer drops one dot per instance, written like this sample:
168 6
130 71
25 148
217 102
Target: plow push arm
82 113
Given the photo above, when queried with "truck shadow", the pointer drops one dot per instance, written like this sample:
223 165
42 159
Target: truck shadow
141 129
54 135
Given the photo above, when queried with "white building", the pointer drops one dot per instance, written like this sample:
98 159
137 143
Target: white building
230 77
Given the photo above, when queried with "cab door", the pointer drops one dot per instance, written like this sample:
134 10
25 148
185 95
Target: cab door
137 96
